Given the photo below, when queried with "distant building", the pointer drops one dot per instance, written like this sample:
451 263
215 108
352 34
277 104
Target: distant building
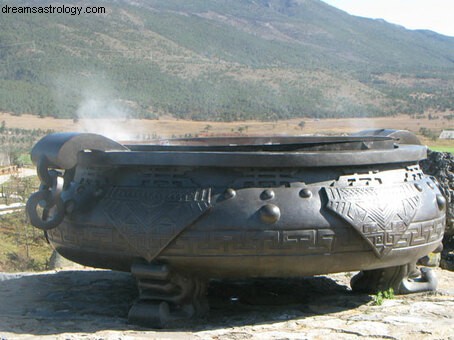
447 134
4 159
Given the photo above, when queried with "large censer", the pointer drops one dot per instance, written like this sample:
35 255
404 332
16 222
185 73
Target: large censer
180 212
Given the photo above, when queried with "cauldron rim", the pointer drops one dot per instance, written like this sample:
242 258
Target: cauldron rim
66 150
261 159
259 141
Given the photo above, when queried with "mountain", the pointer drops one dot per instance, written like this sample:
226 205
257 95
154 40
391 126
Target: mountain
219 60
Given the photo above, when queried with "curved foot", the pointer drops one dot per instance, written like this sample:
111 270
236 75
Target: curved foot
427 281
403 279
166 296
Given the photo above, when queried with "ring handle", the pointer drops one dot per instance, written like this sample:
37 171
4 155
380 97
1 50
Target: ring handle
56 206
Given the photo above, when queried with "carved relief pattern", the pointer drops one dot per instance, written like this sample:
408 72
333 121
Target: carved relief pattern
221 243
381 215
90 237
149 219
146 221
422 233
260 242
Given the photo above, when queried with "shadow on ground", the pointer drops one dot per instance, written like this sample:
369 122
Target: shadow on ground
91 301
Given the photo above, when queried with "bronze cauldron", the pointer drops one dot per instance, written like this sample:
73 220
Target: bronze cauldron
180 212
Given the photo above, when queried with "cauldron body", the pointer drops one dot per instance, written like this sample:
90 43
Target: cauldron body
239 208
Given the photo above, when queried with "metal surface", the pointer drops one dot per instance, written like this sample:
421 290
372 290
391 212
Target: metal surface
262 159
178 213
60 150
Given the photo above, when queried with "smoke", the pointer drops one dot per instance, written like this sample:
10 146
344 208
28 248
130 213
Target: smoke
104 116
99 109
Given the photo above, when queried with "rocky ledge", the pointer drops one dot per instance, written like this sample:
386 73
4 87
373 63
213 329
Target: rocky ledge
93 304
441 166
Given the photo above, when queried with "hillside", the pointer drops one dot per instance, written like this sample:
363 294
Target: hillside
220 60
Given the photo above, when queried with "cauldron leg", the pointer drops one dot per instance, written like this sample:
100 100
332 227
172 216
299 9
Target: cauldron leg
166 296
403 279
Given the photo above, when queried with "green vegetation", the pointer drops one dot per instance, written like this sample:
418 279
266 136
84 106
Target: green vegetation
442 148
22 247
17 143
220 60
428 133
381 296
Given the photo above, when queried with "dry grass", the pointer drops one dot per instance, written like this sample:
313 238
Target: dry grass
168 127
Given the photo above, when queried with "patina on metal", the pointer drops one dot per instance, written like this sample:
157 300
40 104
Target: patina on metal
180 212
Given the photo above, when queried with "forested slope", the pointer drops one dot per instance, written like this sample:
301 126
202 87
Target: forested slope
219 60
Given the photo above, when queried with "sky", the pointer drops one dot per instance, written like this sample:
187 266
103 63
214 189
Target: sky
435 15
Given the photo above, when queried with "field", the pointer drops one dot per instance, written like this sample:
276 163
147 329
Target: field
442 148
135 129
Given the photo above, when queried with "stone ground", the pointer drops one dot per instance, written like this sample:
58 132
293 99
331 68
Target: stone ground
93 304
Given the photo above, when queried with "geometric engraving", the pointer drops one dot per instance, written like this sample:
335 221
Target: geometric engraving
88 237
151 218
252 243
381 214
423 233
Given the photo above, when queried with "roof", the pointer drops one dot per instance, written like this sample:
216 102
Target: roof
447 134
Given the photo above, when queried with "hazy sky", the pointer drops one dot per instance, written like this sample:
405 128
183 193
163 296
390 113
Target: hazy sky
436 15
